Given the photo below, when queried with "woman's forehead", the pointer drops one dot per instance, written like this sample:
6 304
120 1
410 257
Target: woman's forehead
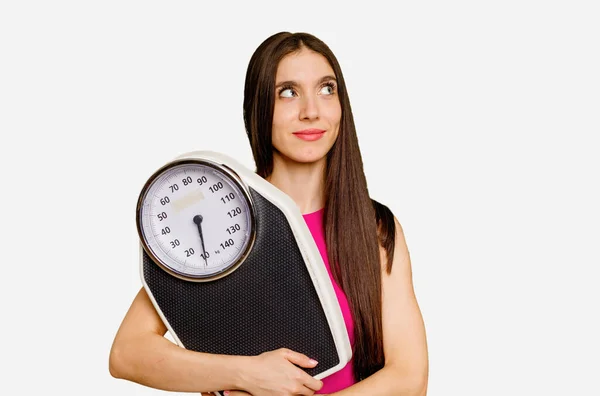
303 67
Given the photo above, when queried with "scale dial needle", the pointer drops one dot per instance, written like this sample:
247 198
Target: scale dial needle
198 221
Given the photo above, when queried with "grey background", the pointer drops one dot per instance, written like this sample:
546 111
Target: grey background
478 125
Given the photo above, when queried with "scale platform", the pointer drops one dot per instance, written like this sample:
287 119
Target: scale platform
280 296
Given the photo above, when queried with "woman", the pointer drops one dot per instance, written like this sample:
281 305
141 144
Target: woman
300 126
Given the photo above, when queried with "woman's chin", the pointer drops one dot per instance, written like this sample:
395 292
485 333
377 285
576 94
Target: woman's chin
307 155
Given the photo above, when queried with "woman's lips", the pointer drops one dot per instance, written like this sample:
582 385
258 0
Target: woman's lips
310 134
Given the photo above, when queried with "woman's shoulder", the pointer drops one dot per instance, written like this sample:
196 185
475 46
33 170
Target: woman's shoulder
387 228
386 222
382 212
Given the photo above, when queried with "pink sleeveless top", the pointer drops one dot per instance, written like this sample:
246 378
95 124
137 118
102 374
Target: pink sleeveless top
345 377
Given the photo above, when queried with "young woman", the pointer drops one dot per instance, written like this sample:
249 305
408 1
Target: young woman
301 129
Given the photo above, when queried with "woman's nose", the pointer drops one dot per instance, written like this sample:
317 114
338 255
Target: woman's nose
309 108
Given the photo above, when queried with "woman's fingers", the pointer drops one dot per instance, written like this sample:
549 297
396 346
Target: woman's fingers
313 383
302 360
299 359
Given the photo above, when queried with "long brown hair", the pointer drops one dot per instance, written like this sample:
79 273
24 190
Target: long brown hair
353 254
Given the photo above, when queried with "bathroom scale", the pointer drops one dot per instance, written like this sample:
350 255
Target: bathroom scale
231 267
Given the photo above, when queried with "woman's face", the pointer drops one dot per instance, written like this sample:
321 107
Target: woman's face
306 100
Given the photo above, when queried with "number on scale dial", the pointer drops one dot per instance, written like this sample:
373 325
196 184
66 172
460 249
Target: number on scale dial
195 220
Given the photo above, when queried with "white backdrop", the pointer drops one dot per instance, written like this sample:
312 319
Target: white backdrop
476 122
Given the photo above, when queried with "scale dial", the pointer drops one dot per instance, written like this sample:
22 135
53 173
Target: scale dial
195 219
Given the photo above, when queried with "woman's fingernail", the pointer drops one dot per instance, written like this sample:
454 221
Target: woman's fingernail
313 361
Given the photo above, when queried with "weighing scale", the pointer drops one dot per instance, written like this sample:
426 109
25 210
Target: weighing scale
231 267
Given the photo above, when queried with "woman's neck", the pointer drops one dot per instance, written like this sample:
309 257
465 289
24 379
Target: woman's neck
303 182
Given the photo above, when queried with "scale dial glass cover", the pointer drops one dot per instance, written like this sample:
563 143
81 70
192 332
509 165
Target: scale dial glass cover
195 219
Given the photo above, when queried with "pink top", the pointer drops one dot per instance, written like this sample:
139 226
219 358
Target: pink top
345 377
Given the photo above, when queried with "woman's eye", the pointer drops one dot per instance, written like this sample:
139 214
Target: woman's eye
327 90
286 93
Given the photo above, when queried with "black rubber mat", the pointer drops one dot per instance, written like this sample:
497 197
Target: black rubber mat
269 302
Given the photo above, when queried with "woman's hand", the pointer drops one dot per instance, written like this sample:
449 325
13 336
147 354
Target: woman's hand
275 373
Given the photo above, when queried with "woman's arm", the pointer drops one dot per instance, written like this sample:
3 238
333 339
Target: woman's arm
406 369
140 353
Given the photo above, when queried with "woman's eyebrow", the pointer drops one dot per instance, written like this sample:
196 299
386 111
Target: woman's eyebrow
295 84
